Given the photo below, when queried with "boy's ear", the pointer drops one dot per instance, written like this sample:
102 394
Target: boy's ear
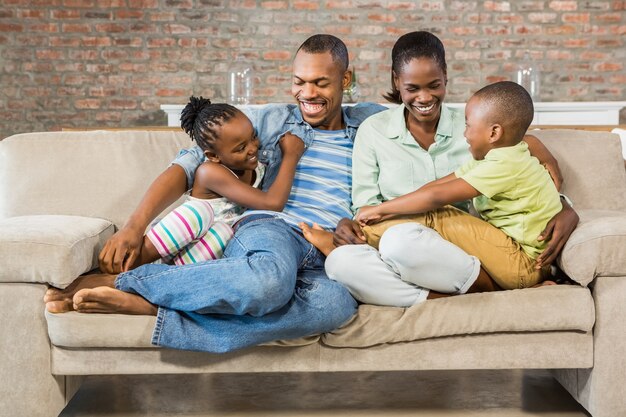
496 133
212 157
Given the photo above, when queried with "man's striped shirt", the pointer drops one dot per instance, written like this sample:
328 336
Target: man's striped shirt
321 190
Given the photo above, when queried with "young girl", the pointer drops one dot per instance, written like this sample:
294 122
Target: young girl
225 185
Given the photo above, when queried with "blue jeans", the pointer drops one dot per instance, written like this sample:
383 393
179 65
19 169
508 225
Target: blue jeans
269 285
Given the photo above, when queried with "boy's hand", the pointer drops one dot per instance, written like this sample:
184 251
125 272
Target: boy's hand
120 251
291 144
557 231
368 214
348 232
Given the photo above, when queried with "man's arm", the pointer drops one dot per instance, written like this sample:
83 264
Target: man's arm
123 248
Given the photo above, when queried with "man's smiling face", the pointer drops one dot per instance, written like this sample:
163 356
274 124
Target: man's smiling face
318 84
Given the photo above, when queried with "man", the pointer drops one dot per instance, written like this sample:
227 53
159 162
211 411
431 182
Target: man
271 282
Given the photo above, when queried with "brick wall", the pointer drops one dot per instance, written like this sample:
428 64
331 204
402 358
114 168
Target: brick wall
113 62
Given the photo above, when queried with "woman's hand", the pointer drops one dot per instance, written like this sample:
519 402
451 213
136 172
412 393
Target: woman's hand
291 144
121 251
348 232
368 214
557 231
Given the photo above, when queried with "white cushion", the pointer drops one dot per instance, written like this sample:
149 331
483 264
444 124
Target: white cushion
52 249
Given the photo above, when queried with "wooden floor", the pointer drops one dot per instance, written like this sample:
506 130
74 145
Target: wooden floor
445 393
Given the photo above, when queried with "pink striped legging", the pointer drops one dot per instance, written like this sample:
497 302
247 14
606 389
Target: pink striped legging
189 234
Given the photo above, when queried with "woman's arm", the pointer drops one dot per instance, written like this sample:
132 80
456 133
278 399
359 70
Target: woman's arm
561 226
365 171
123 248
539 151
557 231
221 181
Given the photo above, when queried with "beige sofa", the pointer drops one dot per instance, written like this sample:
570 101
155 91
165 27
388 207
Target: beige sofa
62 194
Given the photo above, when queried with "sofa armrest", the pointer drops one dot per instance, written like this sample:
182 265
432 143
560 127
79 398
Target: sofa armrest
596 247
52 249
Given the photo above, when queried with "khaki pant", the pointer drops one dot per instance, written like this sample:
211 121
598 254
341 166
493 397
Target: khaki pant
500 256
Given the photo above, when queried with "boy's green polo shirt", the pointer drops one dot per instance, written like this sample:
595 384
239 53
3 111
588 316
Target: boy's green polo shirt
387 162
517 194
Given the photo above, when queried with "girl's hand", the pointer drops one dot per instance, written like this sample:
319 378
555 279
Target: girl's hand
368 214
291 144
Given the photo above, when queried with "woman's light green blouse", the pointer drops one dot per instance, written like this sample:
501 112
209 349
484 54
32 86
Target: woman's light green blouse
387 162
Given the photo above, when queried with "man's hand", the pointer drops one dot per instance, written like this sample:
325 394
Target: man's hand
121 251
557 231
348 232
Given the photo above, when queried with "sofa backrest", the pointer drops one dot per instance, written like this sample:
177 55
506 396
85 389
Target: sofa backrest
105 173
593 169
89 173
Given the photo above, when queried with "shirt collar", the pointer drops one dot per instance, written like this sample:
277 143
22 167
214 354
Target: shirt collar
296 117
497 153
397 124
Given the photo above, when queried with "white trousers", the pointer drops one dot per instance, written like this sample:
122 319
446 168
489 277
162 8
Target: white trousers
412 259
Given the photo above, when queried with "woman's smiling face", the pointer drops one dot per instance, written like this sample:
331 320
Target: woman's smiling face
422 87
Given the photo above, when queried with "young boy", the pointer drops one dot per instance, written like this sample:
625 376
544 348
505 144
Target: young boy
510 190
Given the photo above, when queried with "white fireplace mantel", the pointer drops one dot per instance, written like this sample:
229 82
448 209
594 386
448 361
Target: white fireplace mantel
546 113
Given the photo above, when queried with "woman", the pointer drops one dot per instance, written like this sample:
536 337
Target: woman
398 151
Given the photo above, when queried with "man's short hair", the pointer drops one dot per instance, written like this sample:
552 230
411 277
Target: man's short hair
510 105
322 43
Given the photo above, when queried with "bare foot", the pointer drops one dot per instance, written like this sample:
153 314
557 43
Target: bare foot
62 306
111 300
320 238
544 284
60 301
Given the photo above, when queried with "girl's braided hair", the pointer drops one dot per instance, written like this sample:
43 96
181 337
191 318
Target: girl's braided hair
200 119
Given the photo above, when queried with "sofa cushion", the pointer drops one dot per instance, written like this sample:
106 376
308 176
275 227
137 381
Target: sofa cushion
548 308
51 249
555 308
93 173
596 247
78 330
592 167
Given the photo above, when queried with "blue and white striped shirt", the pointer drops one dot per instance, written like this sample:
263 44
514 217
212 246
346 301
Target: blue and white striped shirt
322 183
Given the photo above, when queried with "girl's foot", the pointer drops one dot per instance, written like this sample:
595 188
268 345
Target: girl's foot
111 300
60 301
320 238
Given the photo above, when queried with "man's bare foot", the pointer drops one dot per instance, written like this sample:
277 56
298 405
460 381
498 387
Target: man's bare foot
60 301
111 300
62 306
320 238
